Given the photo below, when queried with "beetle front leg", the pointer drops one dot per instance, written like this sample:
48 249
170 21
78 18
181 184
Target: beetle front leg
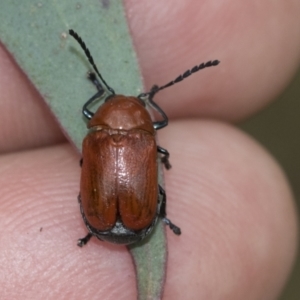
84 241
93 78
86 112
163 214
159 124
165 158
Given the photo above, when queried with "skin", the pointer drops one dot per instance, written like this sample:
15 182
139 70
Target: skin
228 195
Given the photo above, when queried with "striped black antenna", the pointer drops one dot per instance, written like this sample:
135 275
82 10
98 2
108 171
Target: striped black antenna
89 56
186 74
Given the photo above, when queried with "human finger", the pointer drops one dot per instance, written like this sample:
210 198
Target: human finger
258 44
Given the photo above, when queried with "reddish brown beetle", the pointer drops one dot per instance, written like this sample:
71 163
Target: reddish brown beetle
120 198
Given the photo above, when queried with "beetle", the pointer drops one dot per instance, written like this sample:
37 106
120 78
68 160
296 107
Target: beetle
120 197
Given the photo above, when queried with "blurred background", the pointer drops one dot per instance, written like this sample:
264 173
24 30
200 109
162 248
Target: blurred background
277 128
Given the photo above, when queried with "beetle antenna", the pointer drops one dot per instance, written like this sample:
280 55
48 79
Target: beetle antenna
89 56
186 74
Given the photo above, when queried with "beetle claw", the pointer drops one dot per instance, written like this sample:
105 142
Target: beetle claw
84 241
80 243
176 229
172 226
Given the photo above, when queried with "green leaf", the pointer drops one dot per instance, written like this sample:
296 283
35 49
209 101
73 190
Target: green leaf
150 259
36 34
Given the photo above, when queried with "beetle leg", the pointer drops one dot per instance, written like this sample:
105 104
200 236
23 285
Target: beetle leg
165 158
159 124
84 241
86 112
92 77
163 214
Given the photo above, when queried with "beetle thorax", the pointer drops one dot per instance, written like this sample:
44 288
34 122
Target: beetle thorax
124 113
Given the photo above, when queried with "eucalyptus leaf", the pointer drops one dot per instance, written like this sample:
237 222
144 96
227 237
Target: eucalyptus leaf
36 34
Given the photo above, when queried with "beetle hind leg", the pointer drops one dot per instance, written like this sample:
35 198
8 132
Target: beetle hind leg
163 214
172 226
84 241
